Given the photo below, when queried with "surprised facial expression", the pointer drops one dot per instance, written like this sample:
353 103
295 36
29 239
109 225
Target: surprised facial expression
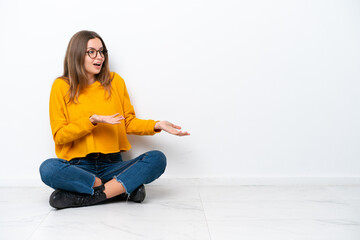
93 58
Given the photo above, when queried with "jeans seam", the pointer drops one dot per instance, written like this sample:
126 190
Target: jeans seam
116 176
131 165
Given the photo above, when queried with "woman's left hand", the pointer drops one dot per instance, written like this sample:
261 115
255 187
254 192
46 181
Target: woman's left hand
170 128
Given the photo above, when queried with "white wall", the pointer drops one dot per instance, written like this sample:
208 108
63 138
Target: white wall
267 88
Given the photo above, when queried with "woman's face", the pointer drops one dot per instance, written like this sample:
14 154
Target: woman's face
93 64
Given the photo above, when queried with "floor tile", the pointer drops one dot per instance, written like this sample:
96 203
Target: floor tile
172 193
234 193
284 230
21 211
243 210
107 224
346 192
190 212
118 211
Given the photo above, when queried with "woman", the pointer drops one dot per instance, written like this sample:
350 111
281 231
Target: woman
90 115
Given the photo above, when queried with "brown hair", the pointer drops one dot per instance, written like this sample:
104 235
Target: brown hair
74 71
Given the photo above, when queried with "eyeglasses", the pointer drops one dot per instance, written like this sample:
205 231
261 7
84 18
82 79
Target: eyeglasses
93 53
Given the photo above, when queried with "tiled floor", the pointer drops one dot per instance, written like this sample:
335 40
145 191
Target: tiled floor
190 212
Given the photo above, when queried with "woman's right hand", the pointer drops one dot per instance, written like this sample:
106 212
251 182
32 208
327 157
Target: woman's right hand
111 119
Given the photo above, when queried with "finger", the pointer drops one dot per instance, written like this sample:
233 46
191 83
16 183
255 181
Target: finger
114 114
119 118
176 132
172 131
183 134
176 126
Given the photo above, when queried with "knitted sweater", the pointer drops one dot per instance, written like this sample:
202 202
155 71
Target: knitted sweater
74 134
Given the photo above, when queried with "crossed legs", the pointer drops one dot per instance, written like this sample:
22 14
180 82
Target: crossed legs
123 176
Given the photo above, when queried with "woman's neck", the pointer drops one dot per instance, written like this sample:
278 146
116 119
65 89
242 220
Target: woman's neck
91 79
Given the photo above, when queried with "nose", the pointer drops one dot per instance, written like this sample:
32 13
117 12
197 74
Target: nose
98 55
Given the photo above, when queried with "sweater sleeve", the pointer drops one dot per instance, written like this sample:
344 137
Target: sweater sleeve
63 130
133 124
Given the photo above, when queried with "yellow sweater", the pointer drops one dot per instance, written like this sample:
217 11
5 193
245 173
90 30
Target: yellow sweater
74 134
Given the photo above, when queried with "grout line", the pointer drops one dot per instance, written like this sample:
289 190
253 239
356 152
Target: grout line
41 222
202 205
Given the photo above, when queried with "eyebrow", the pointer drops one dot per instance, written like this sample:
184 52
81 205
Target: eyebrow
94 48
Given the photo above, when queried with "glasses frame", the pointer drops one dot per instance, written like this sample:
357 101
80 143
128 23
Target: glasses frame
97 51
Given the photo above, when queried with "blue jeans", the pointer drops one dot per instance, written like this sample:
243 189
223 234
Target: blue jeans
78 174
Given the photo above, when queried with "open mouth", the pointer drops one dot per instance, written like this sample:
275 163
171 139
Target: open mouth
97 64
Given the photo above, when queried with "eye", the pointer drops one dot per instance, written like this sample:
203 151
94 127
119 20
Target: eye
92 51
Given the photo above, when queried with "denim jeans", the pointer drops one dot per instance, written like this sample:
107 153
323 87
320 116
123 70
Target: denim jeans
78 174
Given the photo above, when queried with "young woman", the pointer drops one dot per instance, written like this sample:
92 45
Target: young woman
90 115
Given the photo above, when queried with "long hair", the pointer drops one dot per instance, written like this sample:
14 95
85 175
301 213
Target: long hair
74 71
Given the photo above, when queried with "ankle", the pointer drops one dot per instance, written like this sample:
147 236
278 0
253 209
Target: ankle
97 182
113 188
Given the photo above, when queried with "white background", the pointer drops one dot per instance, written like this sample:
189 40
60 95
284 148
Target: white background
268 89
